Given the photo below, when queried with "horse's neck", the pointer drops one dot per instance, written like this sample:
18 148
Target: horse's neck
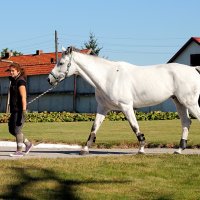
92 69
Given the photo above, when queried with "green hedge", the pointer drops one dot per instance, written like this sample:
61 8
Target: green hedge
74 117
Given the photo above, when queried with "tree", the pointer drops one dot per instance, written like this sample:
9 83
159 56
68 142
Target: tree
14 53
92 44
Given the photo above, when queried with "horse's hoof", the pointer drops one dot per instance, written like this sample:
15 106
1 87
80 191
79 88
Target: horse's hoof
82 152
141 152
177 152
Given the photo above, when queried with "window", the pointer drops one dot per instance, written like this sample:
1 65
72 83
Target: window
195 59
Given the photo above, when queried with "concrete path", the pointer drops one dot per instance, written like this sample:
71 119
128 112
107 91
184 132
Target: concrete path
72 151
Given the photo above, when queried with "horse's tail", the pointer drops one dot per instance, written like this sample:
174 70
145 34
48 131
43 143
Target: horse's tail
199 101
198 70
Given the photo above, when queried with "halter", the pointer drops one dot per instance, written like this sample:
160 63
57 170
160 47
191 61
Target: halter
64 73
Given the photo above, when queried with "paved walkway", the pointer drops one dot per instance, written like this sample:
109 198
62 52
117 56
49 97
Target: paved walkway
72 151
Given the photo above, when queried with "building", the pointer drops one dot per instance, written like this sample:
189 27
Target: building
72 94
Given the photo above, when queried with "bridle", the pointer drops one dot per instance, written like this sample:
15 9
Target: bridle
63 75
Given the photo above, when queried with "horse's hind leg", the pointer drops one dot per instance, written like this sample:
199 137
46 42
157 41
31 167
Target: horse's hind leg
100 116
130 115
185 122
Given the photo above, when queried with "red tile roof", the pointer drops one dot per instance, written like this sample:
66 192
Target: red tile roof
197 39
192 39
34 64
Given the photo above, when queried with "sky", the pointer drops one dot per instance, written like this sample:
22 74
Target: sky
141 32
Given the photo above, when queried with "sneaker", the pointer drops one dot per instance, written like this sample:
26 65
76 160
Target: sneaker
28 148
17 154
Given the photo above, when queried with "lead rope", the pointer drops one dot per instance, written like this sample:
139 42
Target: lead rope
41 95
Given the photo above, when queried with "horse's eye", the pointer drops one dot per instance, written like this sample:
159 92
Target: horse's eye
61 63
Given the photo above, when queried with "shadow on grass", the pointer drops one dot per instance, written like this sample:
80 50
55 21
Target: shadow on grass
28 178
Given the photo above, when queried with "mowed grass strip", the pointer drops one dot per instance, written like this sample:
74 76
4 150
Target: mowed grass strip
141 177
111 134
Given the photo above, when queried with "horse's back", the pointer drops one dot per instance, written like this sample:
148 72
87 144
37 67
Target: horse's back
155 84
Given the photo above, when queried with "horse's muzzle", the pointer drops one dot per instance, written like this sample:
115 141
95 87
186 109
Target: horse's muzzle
48 79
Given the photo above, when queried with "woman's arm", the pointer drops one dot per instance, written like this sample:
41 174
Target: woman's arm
22 91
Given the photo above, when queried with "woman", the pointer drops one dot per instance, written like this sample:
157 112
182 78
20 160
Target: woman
18 108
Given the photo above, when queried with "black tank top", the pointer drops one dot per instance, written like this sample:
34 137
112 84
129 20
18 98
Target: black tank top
15 97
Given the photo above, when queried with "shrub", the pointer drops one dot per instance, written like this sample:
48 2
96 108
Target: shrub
75 117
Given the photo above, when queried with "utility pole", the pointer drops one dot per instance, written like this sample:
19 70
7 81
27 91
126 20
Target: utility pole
56 46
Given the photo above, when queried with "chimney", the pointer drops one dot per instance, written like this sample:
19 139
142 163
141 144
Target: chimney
8 55
39 52
52 60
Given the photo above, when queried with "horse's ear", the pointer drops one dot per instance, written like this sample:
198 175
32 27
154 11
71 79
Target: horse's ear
63 49
70 49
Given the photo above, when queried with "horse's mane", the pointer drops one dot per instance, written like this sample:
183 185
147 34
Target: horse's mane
96 57
105 60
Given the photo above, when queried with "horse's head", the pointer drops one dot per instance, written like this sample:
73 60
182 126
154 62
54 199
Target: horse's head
64 68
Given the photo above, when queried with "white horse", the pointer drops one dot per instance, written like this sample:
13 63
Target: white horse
123 87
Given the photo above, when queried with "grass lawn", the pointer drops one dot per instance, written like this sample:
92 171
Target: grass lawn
141 177
124 177
110 134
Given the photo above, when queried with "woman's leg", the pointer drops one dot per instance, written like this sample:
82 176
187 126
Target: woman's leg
16 123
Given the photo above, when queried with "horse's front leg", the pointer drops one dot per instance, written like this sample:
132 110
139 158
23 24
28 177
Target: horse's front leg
92 137
130 115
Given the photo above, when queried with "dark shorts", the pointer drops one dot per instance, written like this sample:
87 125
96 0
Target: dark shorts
16 123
